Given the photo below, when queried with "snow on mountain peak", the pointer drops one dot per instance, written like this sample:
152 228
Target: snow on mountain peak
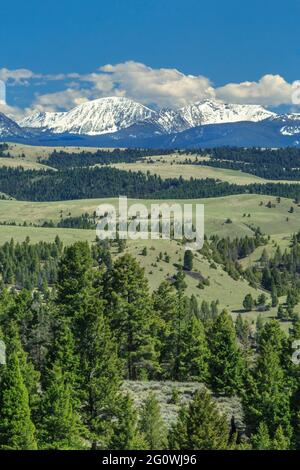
111 114
216 112
10 128
96 117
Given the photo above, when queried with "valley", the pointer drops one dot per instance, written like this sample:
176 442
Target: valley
244 275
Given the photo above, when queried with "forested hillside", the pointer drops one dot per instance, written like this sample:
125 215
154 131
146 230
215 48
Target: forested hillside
82 183
71 343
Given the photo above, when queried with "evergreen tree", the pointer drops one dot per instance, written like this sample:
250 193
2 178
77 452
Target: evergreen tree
267 396
132 317
74 278
200 427
166 304
188 260
261 440
280 441
60 427
17 431
248 303
125 431
177 436
226 365
191 360
29 375
89 352
151 424
101 375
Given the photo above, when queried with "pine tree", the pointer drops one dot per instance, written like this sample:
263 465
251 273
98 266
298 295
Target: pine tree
17 431
188 260
60 426
63 351
280 441
226 365
179 281
151 424
132 317
261 440
177 436
101 375
165 303
74 278
267 397
192 357
125 431
200 427
29 375
88 352
248 303
274 297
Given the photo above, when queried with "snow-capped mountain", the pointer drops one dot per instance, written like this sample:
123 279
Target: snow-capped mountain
121 122
108 115
9 128
172 121
101 116
217 112
290 123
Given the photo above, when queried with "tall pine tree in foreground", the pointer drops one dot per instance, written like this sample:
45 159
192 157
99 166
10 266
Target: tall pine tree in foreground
226 364
200 426
132 317
101 375
60 426
125 431
193 354
152 425
17 431
267 395
165 303
98 370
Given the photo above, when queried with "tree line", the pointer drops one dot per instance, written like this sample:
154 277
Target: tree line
62 159
84 183
274 164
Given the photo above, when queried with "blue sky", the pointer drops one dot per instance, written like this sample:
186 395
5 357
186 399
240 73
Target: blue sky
63 43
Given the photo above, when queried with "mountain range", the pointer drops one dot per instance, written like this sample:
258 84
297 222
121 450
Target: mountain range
121 122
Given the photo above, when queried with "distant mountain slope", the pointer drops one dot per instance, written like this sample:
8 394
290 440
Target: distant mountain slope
217 112
107 115
120 122
96 117
9 128
267 133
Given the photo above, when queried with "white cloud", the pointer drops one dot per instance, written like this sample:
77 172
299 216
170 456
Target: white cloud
161 87
156 87
19 76
61 100
270 90
12 112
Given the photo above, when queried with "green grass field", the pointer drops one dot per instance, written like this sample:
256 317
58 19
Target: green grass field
15 162
217 210
174 170
36 234
33 152
230 293
169 168
27 156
